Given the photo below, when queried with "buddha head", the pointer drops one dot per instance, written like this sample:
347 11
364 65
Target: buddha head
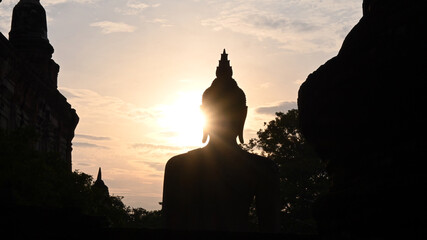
224 105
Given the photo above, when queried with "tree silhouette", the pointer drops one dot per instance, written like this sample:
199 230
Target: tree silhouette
302 175
140 217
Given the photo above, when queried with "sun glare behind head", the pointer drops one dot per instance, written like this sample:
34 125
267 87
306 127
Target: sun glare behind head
183 120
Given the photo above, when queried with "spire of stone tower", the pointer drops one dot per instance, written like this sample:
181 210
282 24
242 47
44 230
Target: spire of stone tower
224 69
28 35
29 28
99 185
99 177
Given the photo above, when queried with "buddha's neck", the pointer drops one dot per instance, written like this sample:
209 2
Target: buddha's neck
224 143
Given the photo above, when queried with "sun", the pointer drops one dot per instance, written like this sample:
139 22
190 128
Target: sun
183 120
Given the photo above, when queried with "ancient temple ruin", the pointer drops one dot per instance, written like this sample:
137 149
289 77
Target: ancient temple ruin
29 95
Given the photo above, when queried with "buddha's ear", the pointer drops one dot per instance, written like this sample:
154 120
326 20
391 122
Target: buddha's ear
205 133
241 137
205 136
242 124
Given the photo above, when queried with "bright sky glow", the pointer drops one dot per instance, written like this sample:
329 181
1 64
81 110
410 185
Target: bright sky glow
135 71
184 119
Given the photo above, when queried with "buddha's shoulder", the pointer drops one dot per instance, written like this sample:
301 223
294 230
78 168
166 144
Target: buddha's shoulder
259 160
184 158
194 156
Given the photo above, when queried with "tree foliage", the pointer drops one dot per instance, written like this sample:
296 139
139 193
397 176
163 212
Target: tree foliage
302 174
140 217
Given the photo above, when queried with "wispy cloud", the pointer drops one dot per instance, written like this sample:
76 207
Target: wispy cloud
108 27
137 5
54 2
159 151
149 146
88 145
162 21
279 107
134 7
141 114
84 164
102 108
67 93
301 26
154 165
90 137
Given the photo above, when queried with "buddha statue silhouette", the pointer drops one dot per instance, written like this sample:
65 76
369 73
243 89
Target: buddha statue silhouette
212 188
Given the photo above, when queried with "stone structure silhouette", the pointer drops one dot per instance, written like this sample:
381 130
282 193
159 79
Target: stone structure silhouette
101 194
363 110
99 186
28 83
212 188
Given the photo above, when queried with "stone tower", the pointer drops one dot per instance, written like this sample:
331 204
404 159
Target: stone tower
29 96
28 35
99 186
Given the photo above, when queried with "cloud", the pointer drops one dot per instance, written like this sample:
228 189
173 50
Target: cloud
149 146
137 5
67 94
159 151
88 145
104 108
134 7
169 134
157 20
162 21
155 165
280 107
108 27
90 137
267 21
84 164
299 26
141 114
54 2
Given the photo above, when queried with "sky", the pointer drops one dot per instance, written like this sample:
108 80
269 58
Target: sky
135 71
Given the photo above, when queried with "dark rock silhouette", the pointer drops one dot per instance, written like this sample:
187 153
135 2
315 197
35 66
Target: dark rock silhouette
213 187
363 110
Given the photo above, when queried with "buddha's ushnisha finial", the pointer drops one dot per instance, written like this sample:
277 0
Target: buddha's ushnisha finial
224 69
224 97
